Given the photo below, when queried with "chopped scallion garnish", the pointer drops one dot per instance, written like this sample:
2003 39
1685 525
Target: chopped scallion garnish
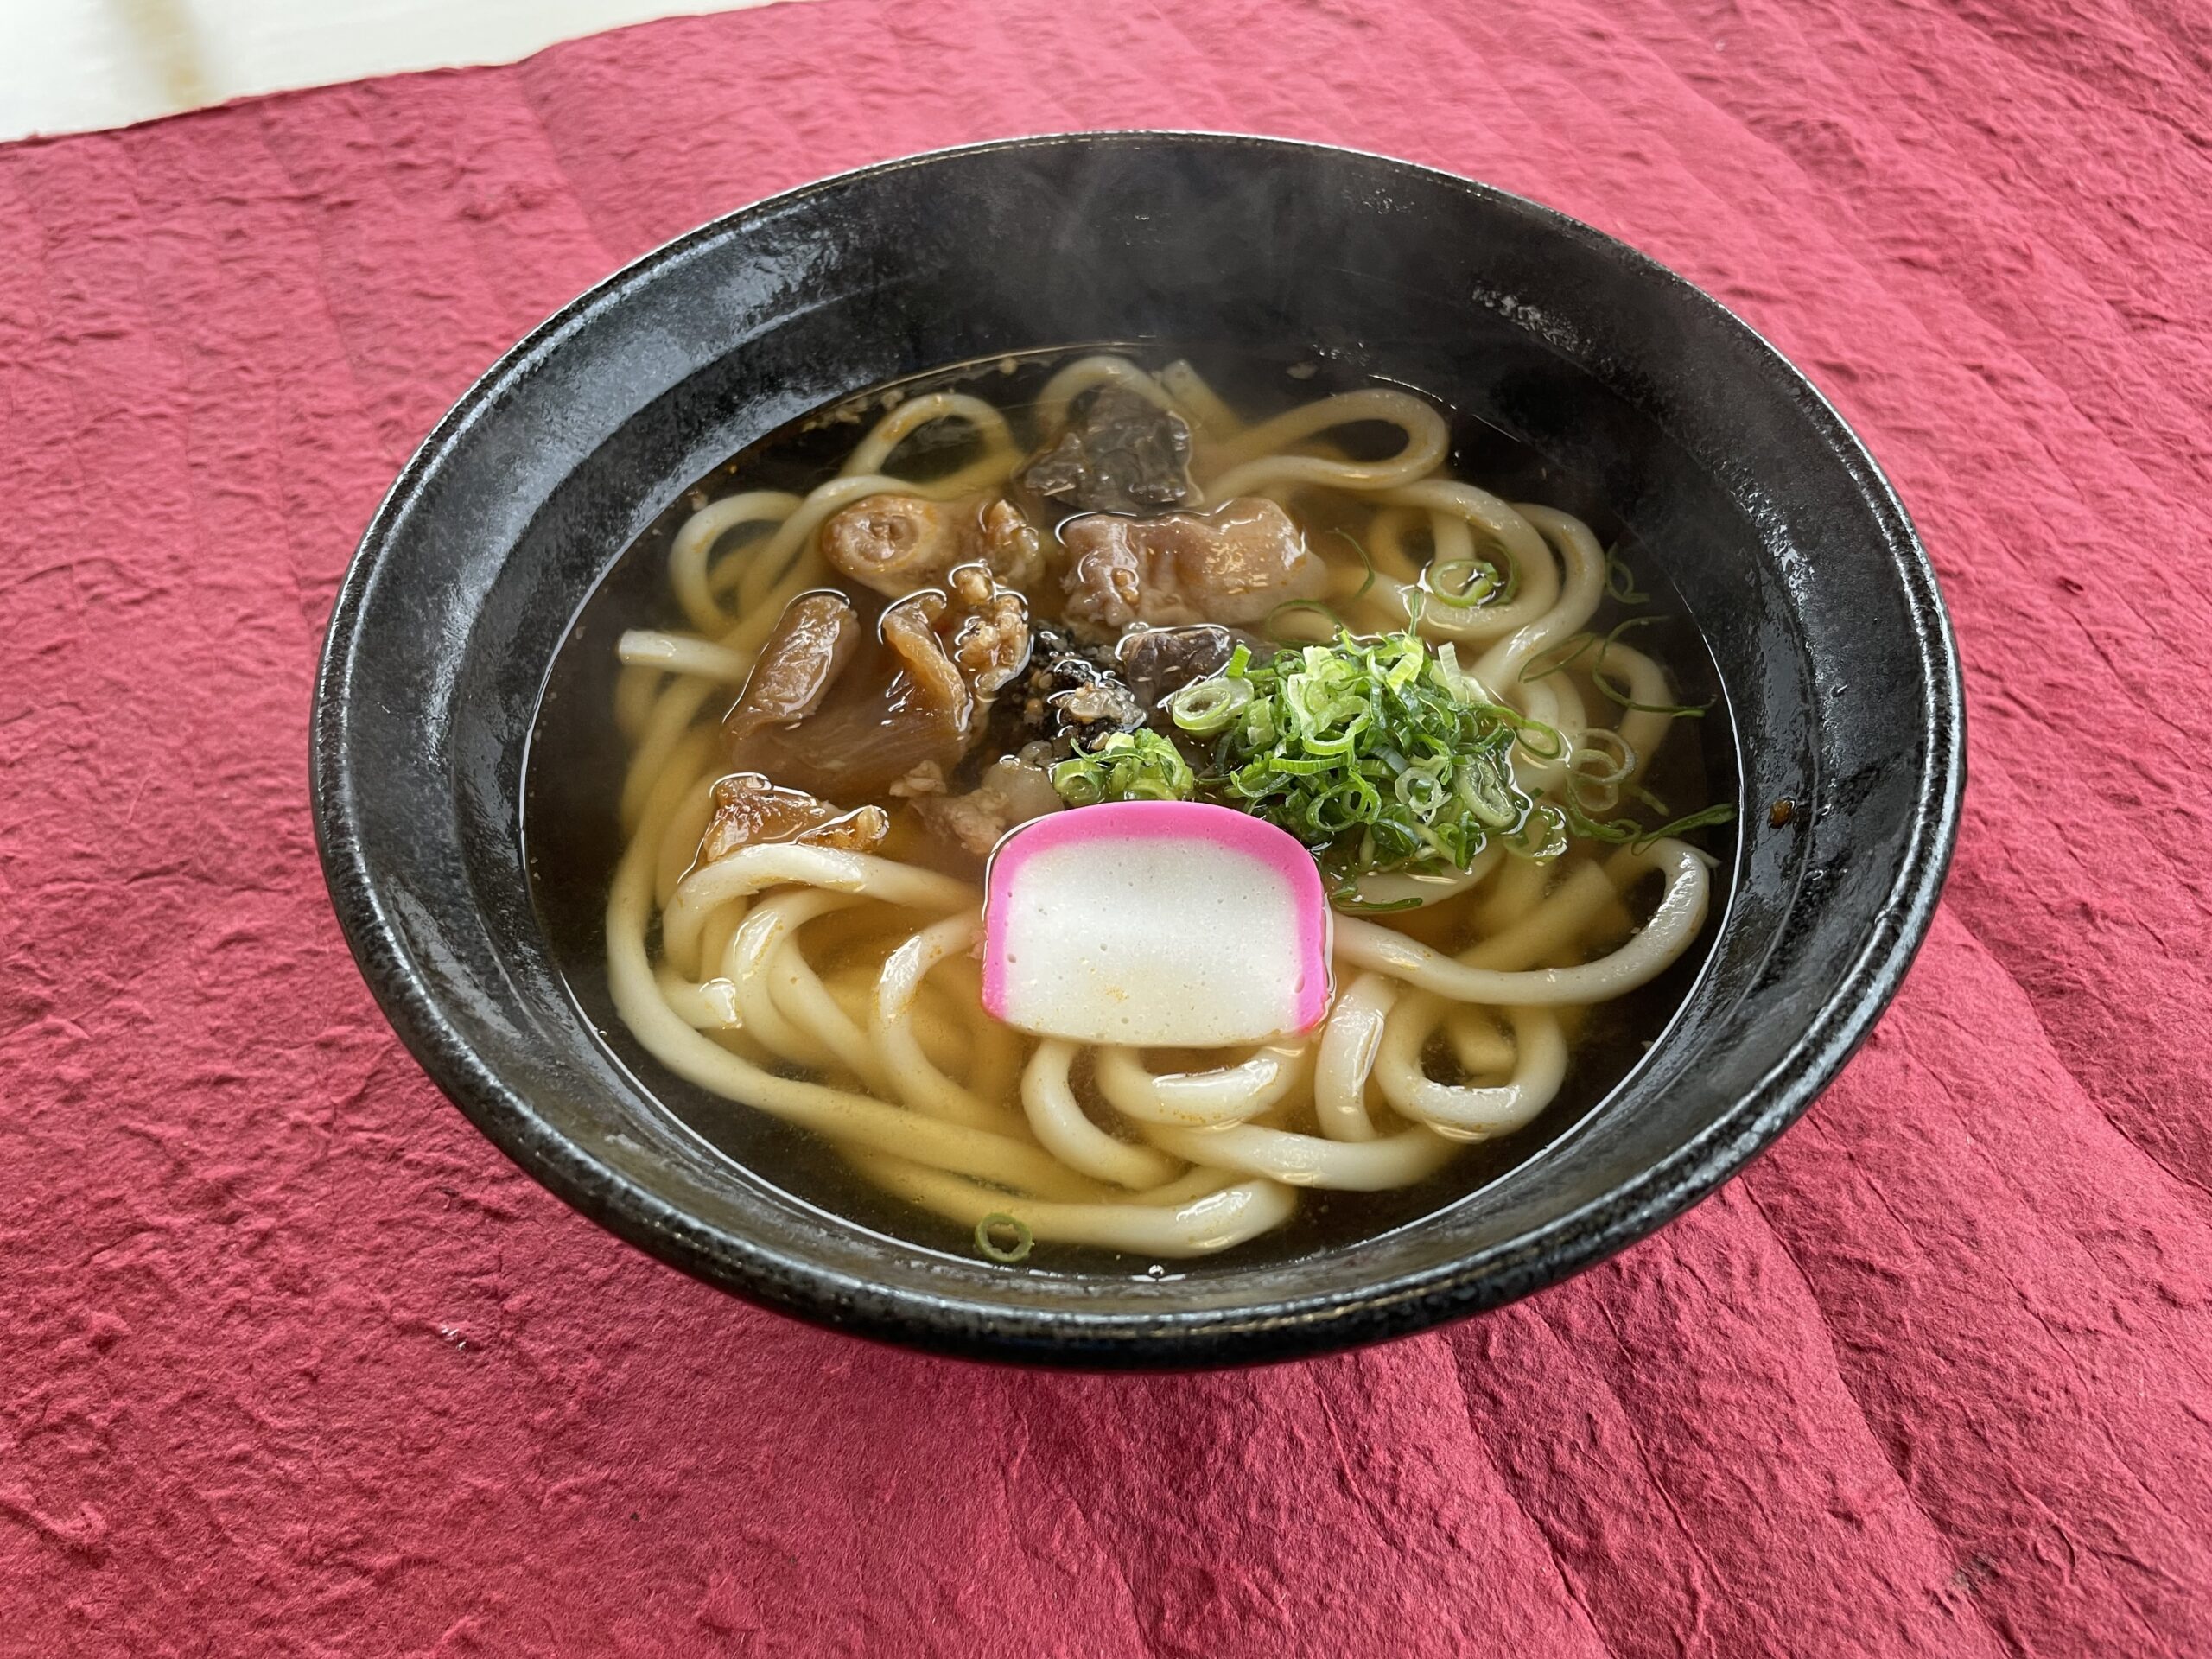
1572 649
1205 707
1003 1237
1377 754
1629 833
1365 559
1620 581
1141 765
1462 584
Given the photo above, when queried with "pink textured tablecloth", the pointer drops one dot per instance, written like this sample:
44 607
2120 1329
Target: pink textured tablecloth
295 1362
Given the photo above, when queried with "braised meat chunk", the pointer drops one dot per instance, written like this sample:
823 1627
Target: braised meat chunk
808 649
1068 692
985 627
750 811
897 544
1159 662
1009 545
1235 564
1119 452
915 699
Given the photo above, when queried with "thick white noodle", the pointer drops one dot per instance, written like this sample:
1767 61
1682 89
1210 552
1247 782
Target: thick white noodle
667 726
749 869
1067 1131
1253 460
872 452
851 1118
1350 1042
1226 1094
1582 585
1645 682
1308 1160
711 1005
1211 420
1653 949
683 653
918 1082
1394 888
686 827
1535 572
1477 1041
1085 372
688 571
746 964
1466 1111
1190 1226
800 996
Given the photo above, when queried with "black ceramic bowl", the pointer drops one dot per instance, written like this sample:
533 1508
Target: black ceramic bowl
1783 540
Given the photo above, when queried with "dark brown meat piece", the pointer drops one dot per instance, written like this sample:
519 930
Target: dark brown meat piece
1159 662
915 700
1235 564
897 544
811 642
1119 452
750 811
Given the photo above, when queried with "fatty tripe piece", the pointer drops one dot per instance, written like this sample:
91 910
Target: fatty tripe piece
1155 924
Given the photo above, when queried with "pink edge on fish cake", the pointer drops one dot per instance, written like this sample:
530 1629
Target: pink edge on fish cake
1292 943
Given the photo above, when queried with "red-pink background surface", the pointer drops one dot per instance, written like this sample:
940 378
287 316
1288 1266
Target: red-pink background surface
294 1362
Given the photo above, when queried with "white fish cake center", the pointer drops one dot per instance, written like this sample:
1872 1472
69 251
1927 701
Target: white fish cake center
1165 941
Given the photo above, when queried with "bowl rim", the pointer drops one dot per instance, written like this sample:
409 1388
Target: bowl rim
1170 1337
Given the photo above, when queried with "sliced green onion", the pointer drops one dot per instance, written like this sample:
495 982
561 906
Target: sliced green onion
1542 834
1325 612
1141 766
1553 659
1365 559
1621 695
1611 766
1482 583
1419 790
1628 832
1378 755
1620 581
1553 747
998 1222
1489 796
1721 813
1382 755
1347 898
1205 707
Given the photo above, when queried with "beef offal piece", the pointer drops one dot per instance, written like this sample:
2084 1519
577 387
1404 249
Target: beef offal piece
914 699
897 544
751 812
1158 662
1119 452
1235 564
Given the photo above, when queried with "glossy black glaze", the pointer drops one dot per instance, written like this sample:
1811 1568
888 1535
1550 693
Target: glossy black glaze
1796 558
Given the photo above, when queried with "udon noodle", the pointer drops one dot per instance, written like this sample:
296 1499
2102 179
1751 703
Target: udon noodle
838 989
